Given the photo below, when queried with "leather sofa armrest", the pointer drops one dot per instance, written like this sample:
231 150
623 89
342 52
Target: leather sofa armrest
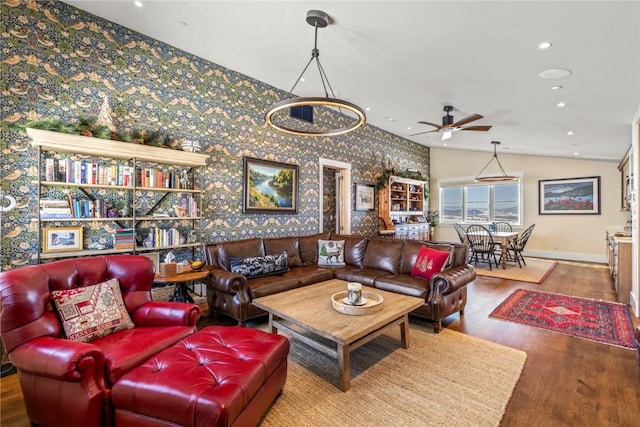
163 313
228 282
451 280
61 359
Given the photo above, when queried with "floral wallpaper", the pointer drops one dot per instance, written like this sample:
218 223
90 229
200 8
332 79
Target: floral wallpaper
58 62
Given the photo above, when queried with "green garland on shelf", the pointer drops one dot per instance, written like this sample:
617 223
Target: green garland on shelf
86 127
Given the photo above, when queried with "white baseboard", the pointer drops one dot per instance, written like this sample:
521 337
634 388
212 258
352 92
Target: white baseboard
569 256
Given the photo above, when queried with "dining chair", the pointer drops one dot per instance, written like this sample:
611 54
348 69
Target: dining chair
381 228
481 245
516 246
462 232
501 226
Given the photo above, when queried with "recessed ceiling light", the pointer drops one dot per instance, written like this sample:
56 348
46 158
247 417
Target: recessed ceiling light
138 3
368 109
561 104
576 153
390 119
302 79
409 127
556 87
570 133
555 73
544 45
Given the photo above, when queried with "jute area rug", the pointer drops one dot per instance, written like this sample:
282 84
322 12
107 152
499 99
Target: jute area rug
445 379
594 320
536 270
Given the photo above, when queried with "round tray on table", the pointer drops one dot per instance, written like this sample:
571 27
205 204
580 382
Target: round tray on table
372 304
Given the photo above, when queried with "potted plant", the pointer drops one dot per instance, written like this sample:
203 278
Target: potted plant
433 218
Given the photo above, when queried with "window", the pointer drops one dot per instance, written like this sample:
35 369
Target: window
470 202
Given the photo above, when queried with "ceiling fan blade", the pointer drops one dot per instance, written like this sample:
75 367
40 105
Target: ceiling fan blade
479 127
431 124
467 119
420 133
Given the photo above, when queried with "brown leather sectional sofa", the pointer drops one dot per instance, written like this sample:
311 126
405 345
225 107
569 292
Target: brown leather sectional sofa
377 262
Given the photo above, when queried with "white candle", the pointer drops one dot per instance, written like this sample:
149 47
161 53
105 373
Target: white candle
354 292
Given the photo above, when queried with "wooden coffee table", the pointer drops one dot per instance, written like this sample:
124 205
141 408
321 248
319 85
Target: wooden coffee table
307 315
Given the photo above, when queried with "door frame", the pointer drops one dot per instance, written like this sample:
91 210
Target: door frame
345 210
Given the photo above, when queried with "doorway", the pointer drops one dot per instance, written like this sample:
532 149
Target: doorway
335 196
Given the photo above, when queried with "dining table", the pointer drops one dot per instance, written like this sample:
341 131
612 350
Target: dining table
503 238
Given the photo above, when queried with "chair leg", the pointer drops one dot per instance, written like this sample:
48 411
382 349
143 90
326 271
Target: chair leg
522 258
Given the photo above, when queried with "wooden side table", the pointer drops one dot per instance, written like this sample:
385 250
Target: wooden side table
181 294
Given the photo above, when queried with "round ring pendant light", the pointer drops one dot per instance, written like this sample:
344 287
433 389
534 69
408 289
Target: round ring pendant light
495 178
350 116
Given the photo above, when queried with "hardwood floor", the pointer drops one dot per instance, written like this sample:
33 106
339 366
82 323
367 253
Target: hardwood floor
566 381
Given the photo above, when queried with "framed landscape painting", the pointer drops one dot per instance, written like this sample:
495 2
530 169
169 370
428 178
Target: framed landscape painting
269 187
569 196
62 239
365 197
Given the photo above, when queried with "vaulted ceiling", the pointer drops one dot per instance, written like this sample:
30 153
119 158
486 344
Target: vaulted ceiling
405 60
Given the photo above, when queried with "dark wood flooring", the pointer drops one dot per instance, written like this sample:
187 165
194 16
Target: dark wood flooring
566 381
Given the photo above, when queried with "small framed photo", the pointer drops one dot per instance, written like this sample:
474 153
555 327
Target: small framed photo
569 196
269 187
62 239
155 257
365 195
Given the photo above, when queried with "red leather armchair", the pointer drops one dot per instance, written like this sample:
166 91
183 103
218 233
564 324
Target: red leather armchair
68 383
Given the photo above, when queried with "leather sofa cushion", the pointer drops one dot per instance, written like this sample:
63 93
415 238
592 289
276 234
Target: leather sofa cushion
383 255
309 274
128 349
268 285
238 249
403 284
366 276
354 248
290 245
309 247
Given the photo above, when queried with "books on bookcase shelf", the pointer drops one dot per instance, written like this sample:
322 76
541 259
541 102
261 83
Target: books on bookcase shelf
82 172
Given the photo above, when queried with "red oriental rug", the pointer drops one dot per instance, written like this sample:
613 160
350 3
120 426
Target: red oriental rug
599 321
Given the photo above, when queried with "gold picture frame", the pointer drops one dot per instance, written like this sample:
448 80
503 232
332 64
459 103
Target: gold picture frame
62 239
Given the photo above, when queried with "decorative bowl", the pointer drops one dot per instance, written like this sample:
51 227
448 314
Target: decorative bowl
196 265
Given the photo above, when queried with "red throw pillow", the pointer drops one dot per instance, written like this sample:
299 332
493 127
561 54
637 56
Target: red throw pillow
429 262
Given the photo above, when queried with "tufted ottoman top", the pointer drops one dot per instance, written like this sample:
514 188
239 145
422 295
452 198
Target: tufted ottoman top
207 379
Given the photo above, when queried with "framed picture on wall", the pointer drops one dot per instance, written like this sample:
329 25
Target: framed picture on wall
155 257
365 197
269 187
62 239
569 196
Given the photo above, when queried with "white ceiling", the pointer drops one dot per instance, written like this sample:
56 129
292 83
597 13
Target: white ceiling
405 60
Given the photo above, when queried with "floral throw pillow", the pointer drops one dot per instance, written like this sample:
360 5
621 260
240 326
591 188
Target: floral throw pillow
93 311
429 262
260 266
331 252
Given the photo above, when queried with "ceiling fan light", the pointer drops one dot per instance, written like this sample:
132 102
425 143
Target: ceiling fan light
446 135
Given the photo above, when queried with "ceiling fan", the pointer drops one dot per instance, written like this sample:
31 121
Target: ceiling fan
449 126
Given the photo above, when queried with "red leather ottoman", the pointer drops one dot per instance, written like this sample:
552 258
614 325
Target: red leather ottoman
219 376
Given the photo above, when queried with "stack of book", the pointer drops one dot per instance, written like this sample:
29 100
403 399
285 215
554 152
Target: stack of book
52 209
124 238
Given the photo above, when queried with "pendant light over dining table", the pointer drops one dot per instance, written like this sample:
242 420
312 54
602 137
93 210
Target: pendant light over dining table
495 178
347 117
